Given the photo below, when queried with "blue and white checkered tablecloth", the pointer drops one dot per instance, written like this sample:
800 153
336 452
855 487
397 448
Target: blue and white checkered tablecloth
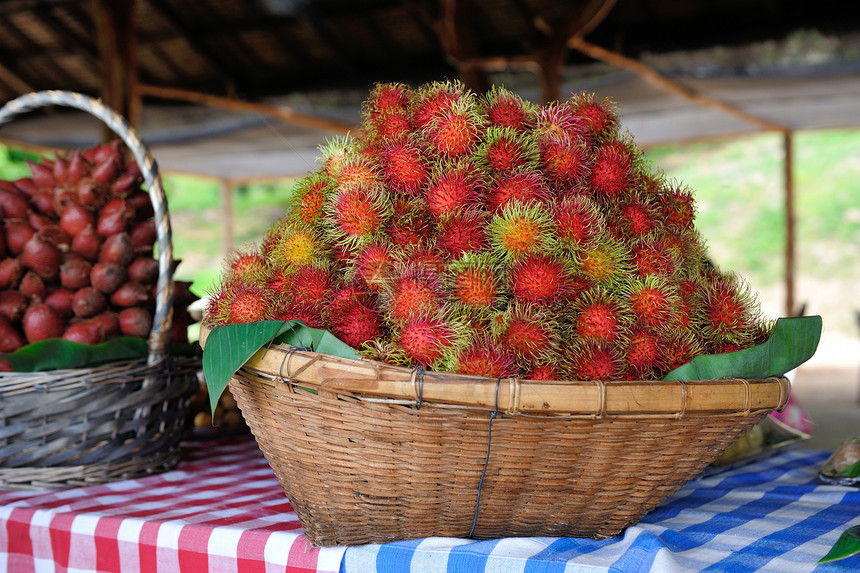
769 516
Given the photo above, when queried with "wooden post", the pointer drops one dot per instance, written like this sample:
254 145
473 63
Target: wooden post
115 31
788 166
227 216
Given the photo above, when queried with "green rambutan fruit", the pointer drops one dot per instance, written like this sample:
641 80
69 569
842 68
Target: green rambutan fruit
456 130
473 281
530 332
525 186
462 232
521 229
654 301
504 149
411 290
605 262
565 160
335 152
483 356
503 108
578 222
589 360
310 195
426 339
454 185
373 264
291 245
598 316
411 222
613 169
643 354
433 99
600 115
356 215
539 279
403 166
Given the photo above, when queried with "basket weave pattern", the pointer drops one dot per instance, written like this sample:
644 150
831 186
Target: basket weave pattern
362 467
117 421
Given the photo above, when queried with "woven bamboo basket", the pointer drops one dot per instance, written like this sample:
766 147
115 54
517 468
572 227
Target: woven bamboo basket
372 453
115 421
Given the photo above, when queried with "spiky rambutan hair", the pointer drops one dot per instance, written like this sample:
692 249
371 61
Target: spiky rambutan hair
505 150
473 282
411 290
531 333
601 115
578 222
357 215
456 130
482 356
654 301
600 316
520 229
433 99
523 185
506 109
309 197
454 185
289 245
247 264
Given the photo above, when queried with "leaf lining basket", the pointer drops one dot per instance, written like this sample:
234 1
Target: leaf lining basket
120 420
372 453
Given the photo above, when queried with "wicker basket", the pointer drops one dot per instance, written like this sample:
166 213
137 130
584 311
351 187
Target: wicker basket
372 453
116 421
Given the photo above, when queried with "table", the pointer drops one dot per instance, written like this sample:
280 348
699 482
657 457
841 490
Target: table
223 510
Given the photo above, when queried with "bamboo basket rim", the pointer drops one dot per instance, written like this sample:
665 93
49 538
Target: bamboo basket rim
159 336
595 399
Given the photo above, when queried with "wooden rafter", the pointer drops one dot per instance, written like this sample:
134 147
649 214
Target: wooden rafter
285 114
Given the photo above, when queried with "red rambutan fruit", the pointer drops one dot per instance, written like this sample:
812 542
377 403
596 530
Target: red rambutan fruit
529 332
578 221
633 217
560 119
357 214
678 348
600 115
356 172
589 360
612 170
425 255
484 357
403 166
678 208
654 301
455 131
544 371
473 282
453 185
374 264
463 232
564 159
504 149
643 353
310 196
425 339
525 186
352 316
537 279
505 109
411 291
599 317
728 309
411 222
432 100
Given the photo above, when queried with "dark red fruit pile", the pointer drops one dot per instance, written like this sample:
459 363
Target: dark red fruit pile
486 235
77 252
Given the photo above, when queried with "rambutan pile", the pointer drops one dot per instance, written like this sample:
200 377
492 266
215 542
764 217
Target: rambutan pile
486 235
76 241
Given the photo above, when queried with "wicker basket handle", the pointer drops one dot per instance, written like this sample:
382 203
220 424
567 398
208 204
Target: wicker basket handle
162 320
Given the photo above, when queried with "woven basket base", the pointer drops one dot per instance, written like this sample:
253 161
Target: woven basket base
373 471
84 475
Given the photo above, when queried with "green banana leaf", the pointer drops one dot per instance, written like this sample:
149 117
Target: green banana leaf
793 342
56 353
847 545
229 347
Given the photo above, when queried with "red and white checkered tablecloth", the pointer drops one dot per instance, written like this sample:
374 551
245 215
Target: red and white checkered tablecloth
221 510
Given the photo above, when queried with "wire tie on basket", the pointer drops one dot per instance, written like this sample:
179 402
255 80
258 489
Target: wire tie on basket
493 415
601 400
748 391
418 384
